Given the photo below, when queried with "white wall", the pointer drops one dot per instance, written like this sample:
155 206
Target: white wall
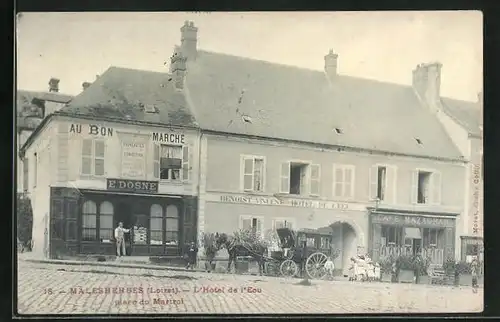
39 189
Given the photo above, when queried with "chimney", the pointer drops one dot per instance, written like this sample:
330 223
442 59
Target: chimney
178 69
188 40
427 82
54 85
331 65
85 85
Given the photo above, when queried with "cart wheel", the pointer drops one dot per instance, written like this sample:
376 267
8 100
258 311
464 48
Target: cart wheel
289 268
315 265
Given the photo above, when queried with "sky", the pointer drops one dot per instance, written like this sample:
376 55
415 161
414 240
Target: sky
75 47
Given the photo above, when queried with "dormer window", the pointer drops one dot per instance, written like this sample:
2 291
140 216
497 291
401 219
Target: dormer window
149 108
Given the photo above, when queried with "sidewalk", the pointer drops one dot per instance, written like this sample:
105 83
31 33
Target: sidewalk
29 257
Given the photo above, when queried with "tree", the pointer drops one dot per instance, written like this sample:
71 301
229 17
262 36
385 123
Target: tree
24 214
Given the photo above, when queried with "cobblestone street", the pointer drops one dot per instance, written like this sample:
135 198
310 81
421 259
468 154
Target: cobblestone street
65 289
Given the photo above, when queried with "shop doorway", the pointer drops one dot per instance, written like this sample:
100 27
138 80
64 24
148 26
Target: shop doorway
124 214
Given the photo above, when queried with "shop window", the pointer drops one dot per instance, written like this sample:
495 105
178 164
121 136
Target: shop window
89 221
172 223
392 236
106 221
170 162
431 237
156 225
343 181
252 175
93 157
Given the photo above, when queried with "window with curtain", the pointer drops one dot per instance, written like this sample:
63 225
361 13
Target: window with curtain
106 221
156 224
89 221
172 231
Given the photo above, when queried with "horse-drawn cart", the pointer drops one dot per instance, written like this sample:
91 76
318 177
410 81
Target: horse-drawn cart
305 251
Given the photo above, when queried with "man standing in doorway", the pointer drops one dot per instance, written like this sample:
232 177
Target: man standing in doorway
120 239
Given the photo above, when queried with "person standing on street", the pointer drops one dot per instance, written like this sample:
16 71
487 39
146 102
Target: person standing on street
120 239
192 252
474 268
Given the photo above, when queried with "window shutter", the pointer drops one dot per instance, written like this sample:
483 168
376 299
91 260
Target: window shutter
99 153
436 188
156 161
285 178
349 179
245 223
390 184
414 187
315 179
260 226
185 163
87 159
247 180
373 184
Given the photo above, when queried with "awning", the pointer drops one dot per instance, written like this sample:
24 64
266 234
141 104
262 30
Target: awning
412 232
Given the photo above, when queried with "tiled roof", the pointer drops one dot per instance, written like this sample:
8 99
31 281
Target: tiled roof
467 114
28 113
123 93
245 96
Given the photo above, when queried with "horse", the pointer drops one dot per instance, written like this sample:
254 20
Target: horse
236 249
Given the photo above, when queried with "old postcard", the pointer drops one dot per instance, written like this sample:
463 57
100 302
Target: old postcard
264 163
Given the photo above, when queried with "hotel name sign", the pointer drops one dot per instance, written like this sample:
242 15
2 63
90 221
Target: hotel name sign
409 221
273 201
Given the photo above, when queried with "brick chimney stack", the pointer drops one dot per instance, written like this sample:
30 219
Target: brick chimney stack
54 85
331 64
189 40
178 69
85 85
427 83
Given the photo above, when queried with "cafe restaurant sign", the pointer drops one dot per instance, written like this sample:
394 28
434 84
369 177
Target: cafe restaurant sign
273 201
137 186
412 220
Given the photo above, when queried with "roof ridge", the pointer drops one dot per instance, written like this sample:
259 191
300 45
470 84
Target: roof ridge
305 69
137 70
42 92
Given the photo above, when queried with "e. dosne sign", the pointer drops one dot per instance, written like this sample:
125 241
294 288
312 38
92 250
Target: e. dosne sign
137 186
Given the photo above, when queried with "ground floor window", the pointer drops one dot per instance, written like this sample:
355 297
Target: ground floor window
392 235
253 224
89 221
172 226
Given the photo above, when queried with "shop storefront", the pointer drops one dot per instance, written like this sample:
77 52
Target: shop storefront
82 221
394 233
471 247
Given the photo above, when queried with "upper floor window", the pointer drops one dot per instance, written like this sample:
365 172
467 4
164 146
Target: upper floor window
300 178
383 183
426 187
93 157
343 181
171 162
25 174
252 173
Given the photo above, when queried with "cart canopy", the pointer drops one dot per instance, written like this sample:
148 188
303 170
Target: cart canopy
286 236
